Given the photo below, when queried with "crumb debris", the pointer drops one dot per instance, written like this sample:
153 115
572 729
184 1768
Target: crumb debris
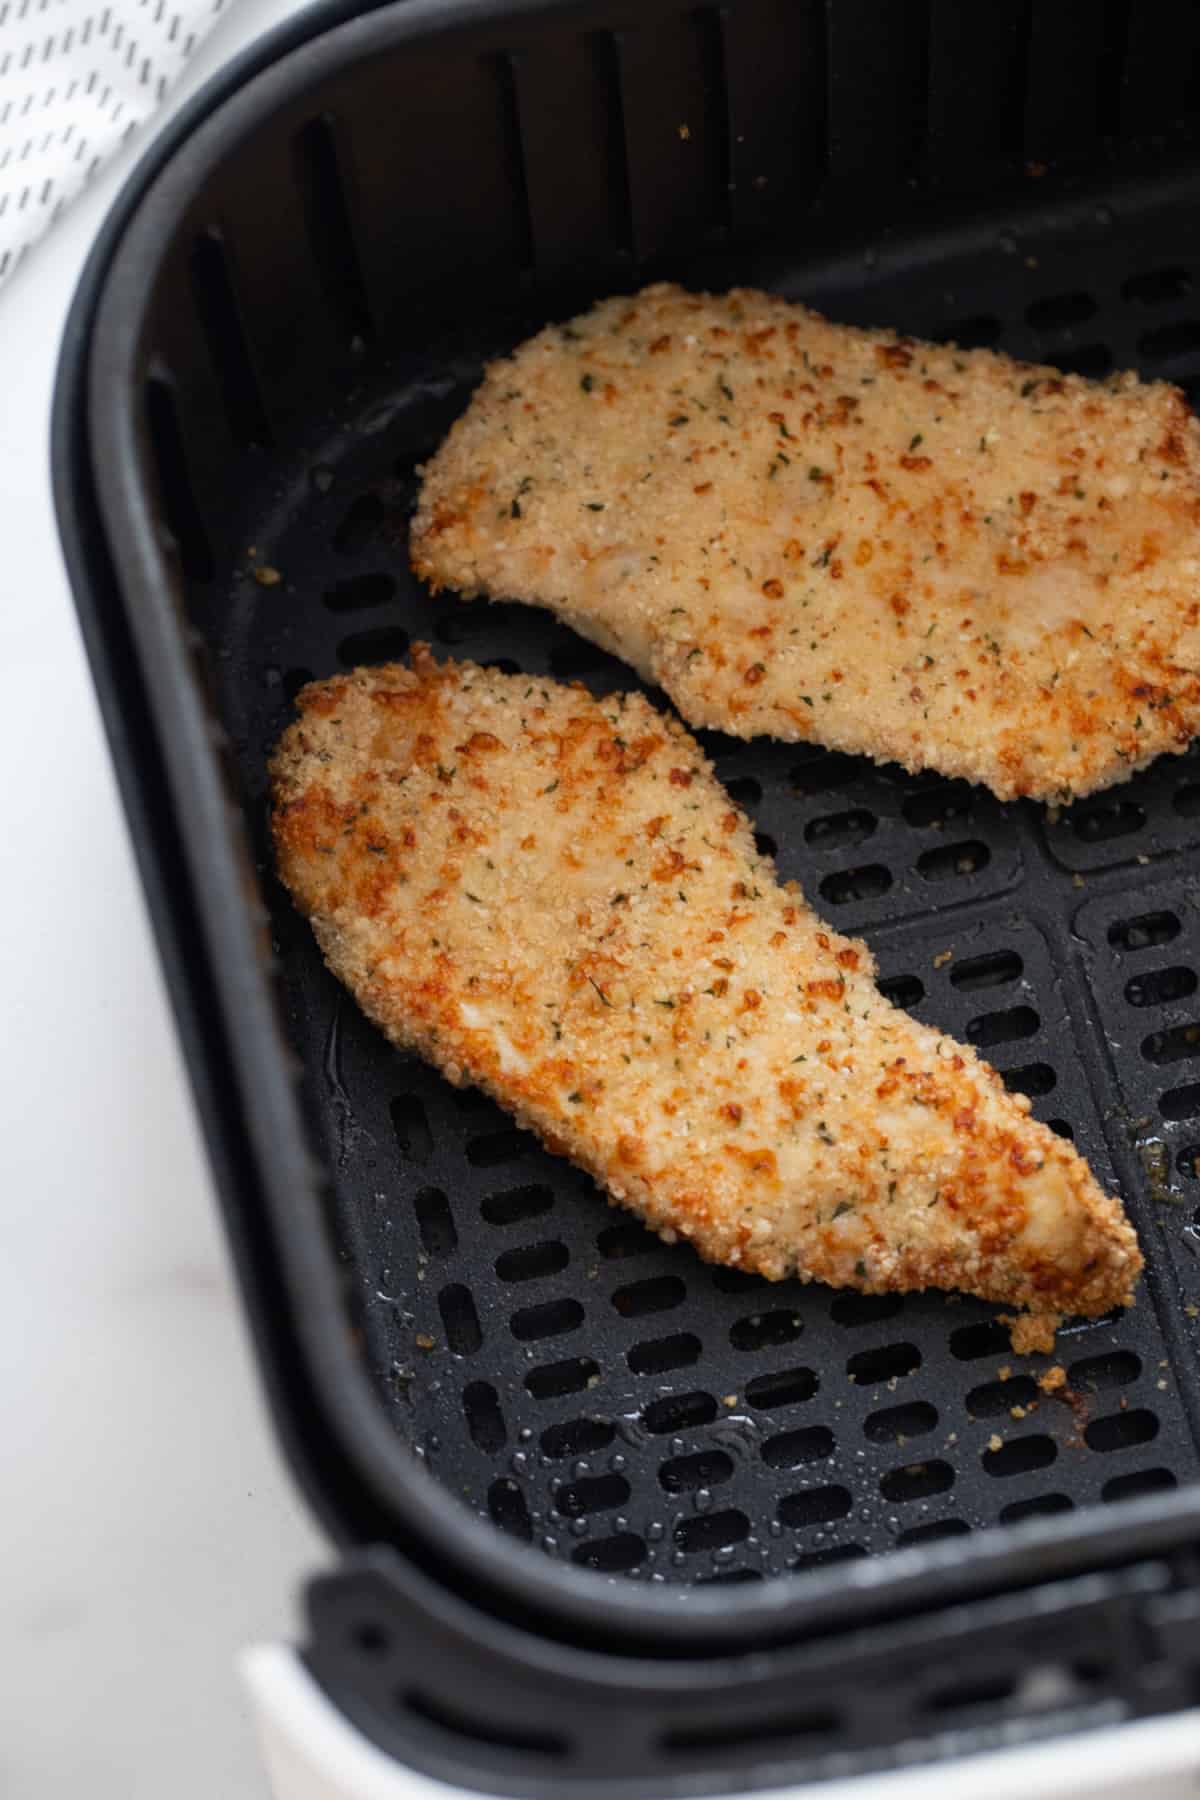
942 958
267 576
1054 1379
1031 1332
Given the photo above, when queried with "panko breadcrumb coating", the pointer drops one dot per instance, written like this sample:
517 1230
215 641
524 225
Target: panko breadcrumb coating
802 530
552 896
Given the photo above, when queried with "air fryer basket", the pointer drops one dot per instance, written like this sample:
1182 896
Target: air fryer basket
474 1360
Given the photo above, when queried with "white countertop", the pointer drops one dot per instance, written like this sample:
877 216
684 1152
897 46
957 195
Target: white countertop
148 1529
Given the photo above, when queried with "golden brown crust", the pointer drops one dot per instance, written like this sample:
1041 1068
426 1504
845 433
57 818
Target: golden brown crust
801 530
551 896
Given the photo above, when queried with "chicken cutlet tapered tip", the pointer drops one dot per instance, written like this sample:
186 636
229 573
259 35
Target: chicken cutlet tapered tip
552 896
801 530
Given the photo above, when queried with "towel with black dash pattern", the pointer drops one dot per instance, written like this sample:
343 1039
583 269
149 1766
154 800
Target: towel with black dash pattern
76 77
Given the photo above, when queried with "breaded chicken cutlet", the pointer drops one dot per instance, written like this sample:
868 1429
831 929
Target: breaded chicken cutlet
551 896
807 531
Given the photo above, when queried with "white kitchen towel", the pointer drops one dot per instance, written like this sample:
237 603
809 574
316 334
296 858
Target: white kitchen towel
76 77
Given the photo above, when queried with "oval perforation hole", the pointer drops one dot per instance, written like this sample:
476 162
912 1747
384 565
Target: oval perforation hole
764 1331
934 1532
793 1449
294 681
815 1506
571 1376
1041 1506
1145 931
435 1222
554 1318
1181 1102
905 991
1006 1027
657 1355
988 1337
703 1469
460 1320
766 845
1138 1482
936 807
1187 1160
611 1555
739 1281
1159 987
359 592
1062 1128
1179 1044
916 1481
996 1397
1121 1430
577 1437
531 1262
846 885
822 1559
981 331
485 1420
840 831
413 1136
728 1577
626 1239
1002 1026
1157 286
389 643
886 1363
1101 820
659 1293
744 791
1180 338
852 1309
784 1387
359 523
1092 360
1020 1455
711 1531
1186 800
1032 1079
896 1424
1057 311
951 862
491 1148
508 1509
592 1494
679 1412
515 1204
996 969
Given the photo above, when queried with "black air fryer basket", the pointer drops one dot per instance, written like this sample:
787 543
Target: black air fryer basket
610 1516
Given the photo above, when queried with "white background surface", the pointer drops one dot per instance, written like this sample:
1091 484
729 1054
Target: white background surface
147 1527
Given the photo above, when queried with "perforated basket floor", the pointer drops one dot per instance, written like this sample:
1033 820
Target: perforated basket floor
561 1371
